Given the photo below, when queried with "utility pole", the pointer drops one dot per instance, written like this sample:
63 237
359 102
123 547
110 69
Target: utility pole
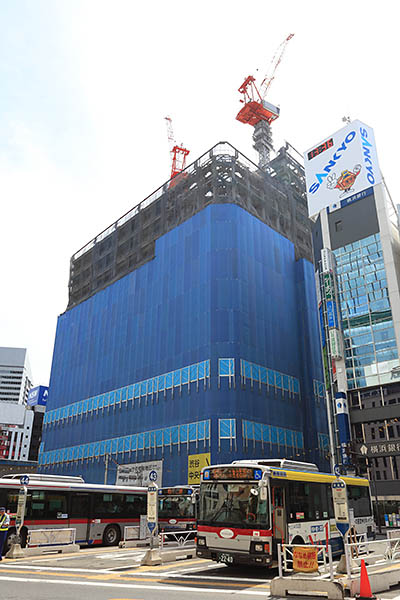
106 459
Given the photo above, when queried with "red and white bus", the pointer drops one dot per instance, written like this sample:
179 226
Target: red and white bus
177 508
98 512
248 507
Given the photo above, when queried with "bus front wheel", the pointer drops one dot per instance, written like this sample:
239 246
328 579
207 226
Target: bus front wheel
111 535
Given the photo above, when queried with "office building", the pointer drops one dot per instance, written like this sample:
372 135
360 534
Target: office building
357 250
191 332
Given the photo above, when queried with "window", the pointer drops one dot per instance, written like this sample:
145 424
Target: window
307 501
359 500
390 432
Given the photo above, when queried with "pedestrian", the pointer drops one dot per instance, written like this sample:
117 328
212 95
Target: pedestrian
4 525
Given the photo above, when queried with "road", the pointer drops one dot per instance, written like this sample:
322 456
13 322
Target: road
116 574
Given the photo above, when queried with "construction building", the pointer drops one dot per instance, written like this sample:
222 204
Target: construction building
191 332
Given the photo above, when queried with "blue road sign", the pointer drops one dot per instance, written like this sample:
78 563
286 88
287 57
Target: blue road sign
343 528
24 480
151 525
336 470
153 476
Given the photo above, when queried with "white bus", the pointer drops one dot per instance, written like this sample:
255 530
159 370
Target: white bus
98 512
246 508
177 508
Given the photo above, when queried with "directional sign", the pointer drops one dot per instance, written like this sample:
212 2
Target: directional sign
24 480
151 525
336 470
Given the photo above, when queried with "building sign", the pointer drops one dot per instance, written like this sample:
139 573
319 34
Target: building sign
195 464
383 449
342 168
38 396
334 341
138 474
305 560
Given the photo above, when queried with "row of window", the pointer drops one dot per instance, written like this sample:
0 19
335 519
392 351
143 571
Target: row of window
261 432
191 374
159 438
263 375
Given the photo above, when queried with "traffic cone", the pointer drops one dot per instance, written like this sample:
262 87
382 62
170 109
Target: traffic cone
365 586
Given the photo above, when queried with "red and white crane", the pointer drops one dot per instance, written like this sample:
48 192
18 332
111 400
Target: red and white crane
257 111
178 153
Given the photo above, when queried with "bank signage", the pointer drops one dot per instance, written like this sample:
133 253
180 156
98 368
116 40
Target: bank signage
38 396
342 168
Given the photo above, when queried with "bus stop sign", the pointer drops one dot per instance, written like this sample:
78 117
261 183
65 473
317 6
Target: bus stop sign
341 505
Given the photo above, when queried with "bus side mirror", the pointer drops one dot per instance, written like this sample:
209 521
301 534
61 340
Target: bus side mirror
263 491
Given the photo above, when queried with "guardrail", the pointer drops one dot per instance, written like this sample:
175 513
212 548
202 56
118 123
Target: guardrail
177 538
324 558
131 532
377 553
51 537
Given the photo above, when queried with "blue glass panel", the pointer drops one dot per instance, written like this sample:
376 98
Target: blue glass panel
271 377
80 408
136 390
117 396
108 446
124 394
247 369
140 441
192 432
263 375
300 441
224 428
159 438
296 387
76 452
98 402
207 429
149 386
208 368
185 374
75 409
285 382
168 381
289 437
121 444
130 392
91 450
167 436
202 370
133 445
257 432
90 404
223 366
233 428
184 433
65 454
70 453
106 400
152 439
193 373
147 440
281 433
174 435
266 433
177 377
84 406
278 380
143 388
70 411
86 451
161 383
274 435
255 372
201 430
102 448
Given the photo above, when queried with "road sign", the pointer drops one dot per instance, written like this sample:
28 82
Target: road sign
336 470
153 475
341 505
151 525
24 480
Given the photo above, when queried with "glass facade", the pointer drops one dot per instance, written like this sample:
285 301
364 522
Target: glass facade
369 338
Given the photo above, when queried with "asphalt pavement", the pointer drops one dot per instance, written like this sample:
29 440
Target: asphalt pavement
116 574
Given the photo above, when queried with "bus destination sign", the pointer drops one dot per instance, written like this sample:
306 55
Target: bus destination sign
229 473
175 491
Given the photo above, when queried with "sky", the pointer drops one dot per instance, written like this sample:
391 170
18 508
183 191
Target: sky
85 86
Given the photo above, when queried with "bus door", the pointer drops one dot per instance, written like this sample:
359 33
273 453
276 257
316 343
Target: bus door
79 517
278 514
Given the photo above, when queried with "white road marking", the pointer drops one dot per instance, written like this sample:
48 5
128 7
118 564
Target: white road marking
130 586
45 568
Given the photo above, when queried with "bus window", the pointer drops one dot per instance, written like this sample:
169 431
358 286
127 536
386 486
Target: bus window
359 500
307 501
35 505
79 506
108 504
56 505
135 505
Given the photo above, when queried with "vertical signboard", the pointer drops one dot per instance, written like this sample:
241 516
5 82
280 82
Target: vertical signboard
343 425
340 167
195 464
341 505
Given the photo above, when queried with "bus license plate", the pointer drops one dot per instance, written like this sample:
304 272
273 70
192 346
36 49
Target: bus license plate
225 558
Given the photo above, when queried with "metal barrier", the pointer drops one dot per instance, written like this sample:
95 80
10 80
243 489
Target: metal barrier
131 532
178 539
377 553
51 537
324 558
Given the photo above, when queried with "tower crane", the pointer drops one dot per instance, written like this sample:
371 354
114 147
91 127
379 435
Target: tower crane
178 153
257 111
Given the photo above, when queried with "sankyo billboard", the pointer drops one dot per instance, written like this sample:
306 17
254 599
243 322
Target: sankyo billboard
341 166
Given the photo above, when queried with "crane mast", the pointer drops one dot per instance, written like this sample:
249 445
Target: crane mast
178 153
259 113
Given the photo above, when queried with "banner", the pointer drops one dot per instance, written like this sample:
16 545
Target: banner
195 464
137 474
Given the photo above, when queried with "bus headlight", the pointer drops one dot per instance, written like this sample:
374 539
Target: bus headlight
258 547
201 541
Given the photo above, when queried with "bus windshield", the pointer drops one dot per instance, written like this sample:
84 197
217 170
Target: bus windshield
234 504
176 507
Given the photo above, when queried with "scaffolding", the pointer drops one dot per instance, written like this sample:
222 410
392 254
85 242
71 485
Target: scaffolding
221 175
